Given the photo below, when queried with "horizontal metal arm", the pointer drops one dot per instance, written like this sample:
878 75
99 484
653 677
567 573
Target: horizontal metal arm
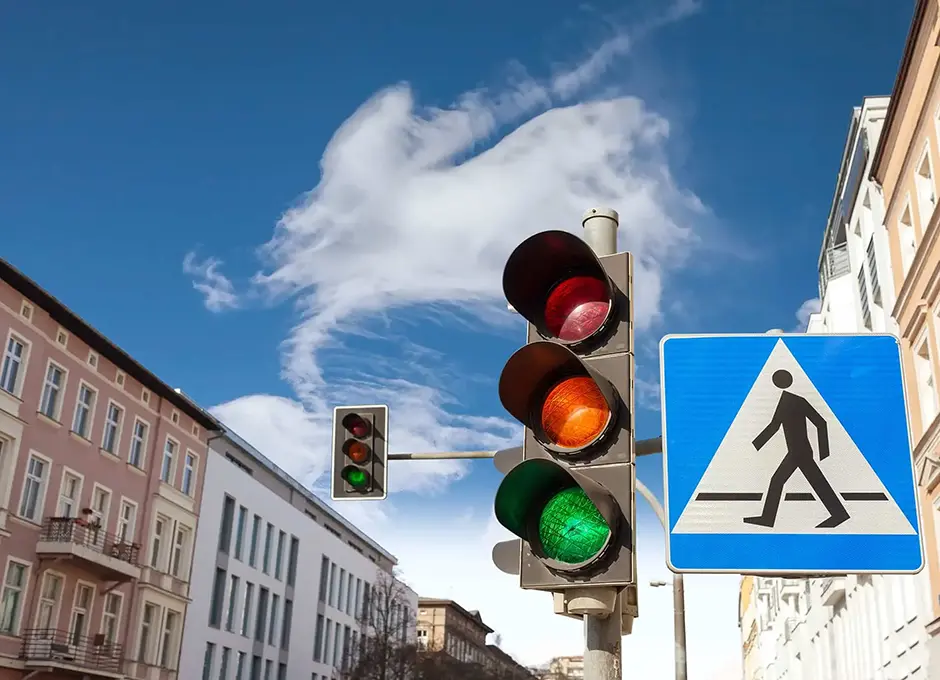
644 447
445 455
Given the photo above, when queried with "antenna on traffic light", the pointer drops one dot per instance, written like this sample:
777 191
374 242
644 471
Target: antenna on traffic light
360 453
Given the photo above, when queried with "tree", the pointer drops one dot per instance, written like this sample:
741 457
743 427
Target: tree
386 650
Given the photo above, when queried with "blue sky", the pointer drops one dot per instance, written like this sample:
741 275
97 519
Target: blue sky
152 147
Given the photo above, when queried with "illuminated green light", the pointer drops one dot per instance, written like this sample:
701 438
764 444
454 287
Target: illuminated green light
356 477
571 530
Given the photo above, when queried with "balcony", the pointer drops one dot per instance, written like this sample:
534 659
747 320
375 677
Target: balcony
833 590
104 554
833 264
49 650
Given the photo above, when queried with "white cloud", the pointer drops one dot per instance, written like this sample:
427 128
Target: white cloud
218 291
811 306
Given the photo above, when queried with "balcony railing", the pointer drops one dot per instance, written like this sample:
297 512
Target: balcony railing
60 648
79 539
835 263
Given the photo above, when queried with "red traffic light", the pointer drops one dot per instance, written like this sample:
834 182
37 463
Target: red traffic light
568 406
357 425
557 283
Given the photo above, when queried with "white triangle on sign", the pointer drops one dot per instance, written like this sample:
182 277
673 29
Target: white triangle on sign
736 481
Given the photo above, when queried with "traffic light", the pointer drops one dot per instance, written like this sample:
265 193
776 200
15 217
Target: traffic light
571 498
360 453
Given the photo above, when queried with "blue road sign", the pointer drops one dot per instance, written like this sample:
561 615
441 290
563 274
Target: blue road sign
787 454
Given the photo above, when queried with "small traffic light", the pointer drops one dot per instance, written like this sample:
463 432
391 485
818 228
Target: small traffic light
571 498
360 453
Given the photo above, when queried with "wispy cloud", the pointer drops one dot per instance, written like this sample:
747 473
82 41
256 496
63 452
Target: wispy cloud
808 308
432 220
217 290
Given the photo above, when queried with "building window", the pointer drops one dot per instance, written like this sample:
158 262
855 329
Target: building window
286 623
268 543
327 639
873 272
100 508
272 626
81 612
232 603
262 618
127 521
332 600
218 598
926 191
292 561
240 666
279 556
111 617
69 495
223 664
189 474
112 428
51 401
207 661
926 384
180 544
84 408
11 603
268 667
156 545
863 297
324 577
282 671
168 643
255 667
341 595
166 467
50 599
138 444
253 546
349 595
13 356
240 531
225 529
318 640
34 489
907 238
246 608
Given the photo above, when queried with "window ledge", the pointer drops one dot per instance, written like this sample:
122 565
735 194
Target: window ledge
79 438
136 470
47 420
108 455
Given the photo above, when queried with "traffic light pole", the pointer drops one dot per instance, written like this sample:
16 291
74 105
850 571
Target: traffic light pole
603 637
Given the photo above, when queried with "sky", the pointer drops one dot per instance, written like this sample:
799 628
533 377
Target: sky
286 206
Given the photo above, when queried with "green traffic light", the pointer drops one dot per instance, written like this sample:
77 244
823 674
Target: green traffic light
571 529
357 477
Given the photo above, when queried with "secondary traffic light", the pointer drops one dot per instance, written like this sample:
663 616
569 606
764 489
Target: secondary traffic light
571 498
360 453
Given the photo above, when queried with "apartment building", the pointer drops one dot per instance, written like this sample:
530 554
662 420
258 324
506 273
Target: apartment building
856 627
904 168
566 668
285 584
101 468
444 626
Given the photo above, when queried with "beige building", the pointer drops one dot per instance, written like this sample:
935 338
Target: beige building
566 668
905 167
444 626
101 475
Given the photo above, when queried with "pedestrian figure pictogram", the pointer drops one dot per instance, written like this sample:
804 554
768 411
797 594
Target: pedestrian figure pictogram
791 415
787 454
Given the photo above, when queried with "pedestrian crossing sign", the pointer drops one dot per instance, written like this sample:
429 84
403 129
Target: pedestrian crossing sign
787 454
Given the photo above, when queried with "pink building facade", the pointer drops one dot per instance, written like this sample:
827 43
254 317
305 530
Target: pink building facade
101 468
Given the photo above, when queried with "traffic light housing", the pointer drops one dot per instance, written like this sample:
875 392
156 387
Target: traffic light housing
360 453
571 498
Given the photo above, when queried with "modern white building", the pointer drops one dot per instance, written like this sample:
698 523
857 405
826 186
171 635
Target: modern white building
854 627
280 580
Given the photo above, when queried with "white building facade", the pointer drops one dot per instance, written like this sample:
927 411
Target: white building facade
853 627
280 581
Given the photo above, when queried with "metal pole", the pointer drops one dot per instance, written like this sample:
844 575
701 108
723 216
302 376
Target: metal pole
603 636
445 455
600 230
678 591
